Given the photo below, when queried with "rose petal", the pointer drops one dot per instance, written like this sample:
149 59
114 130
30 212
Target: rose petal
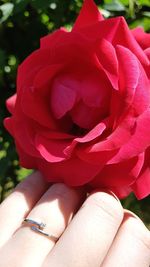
10 103
147 52
121 192
8 123
96 90
141 101
37 108
30 66
110 145
121 174
34 100
79 115
49 41
44 77
116 31
25 160
70 46
91 135
141 37
89 14
51 150
128 77
73 172
141 187
107 57
125 38
128 80
138 142
55 135
63 95
24 134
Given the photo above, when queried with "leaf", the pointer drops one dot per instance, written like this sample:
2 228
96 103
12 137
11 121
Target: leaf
115 5
144 2
6 10
105 13
143 22
146 14
125 2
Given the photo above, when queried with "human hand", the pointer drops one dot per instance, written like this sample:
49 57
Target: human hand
92 232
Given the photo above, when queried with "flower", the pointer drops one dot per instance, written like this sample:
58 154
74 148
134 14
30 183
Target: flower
81 113
143 40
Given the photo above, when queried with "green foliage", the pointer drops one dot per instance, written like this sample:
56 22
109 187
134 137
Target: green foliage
22 23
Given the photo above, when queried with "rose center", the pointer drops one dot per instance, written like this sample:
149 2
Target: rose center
85 98
76 130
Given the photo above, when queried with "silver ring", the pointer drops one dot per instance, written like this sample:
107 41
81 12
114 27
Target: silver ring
33 222
38 228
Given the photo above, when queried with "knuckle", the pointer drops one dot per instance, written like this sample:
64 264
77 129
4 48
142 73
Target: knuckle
27 186
31 185
24 189
106 203
146 240
62 191
137 228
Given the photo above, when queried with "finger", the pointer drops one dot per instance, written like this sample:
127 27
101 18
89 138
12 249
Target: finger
131 246
87 239
55 208
18 204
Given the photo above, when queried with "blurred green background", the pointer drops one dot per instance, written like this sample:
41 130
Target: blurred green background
22 23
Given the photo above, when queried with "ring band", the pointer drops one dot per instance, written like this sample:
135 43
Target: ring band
38 228
33 222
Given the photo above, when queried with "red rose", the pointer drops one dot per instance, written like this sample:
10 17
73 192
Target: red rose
81 114
143 39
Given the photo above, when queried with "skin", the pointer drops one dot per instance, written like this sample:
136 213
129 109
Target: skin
92 231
